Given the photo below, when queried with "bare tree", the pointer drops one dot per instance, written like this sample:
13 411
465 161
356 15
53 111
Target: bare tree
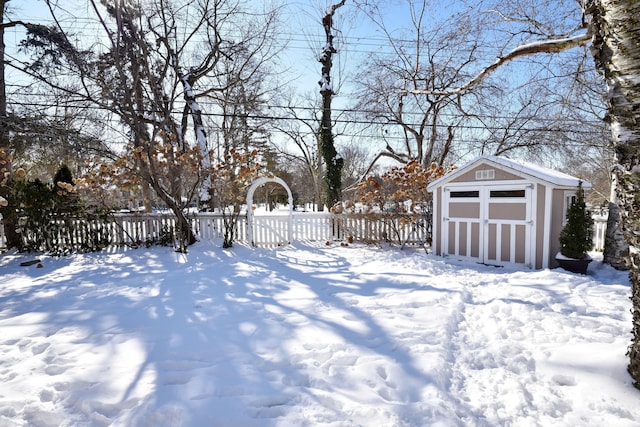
357 159
457 114
156 68
301 145
302 149
415 127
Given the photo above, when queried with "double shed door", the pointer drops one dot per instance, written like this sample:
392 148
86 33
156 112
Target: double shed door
490 224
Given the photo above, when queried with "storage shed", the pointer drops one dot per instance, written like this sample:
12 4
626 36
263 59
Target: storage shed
498 211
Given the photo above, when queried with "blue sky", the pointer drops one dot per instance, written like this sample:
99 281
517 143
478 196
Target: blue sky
357 37
302 27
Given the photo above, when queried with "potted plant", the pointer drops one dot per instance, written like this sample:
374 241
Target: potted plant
576 238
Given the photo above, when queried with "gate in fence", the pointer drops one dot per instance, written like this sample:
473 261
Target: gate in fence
274 230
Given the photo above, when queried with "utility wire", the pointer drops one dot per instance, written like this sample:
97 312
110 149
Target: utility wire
265 117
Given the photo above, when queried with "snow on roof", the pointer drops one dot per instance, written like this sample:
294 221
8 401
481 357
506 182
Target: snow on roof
552 176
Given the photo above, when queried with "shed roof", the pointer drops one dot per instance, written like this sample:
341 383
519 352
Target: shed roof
551 176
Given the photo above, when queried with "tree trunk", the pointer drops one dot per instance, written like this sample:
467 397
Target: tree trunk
616 249
333 163
146 197
199 130
616 30
9 213
185 232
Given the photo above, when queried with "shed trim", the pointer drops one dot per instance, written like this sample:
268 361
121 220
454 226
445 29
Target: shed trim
538 173
548 192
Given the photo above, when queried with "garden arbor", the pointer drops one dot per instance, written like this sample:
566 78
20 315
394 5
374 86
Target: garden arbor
251 223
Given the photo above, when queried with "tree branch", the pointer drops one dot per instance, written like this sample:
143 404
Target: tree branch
546 46
4 25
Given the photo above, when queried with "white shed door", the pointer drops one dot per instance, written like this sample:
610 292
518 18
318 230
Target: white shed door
492 225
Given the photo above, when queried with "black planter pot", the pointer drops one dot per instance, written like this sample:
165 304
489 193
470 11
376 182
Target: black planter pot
574 265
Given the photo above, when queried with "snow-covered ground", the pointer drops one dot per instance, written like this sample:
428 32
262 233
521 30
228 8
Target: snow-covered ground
310 335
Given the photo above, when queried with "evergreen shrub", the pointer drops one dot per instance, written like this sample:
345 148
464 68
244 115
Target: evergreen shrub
576 238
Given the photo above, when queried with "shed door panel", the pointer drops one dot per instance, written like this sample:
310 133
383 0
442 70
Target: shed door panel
507 227
463 224
464 237
491 225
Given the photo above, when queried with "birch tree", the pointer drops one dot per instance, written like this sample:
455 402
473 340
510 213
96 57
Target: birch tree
615 27
5 152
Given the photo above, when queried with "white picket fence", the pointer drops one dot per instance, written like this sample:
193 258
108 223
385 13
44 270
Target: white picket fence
270 230
599 231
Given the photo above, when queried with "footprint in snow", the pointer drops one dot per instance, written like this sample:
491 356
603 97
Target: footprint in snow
384 394
201 396
23 345
177 379
39 349
382 372
7 375
564 380
46 396
55 369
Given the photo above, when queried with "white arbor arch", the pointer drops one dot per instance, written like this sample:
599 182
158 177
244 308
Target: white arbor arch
250 217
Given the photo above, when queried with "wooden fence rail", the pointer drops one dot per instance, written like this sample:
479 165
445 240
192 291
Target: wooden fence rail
140 229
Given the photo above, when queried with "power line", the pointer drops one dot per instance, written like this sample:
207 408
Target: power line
345 121
336 110
354 44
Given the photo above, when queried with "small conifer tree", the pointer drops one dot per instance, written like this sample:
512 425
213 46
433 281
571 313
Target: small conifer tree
576 238
63 175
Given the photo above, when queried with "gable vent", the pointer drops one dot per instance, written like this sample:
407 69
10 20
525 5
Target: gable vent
485 174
